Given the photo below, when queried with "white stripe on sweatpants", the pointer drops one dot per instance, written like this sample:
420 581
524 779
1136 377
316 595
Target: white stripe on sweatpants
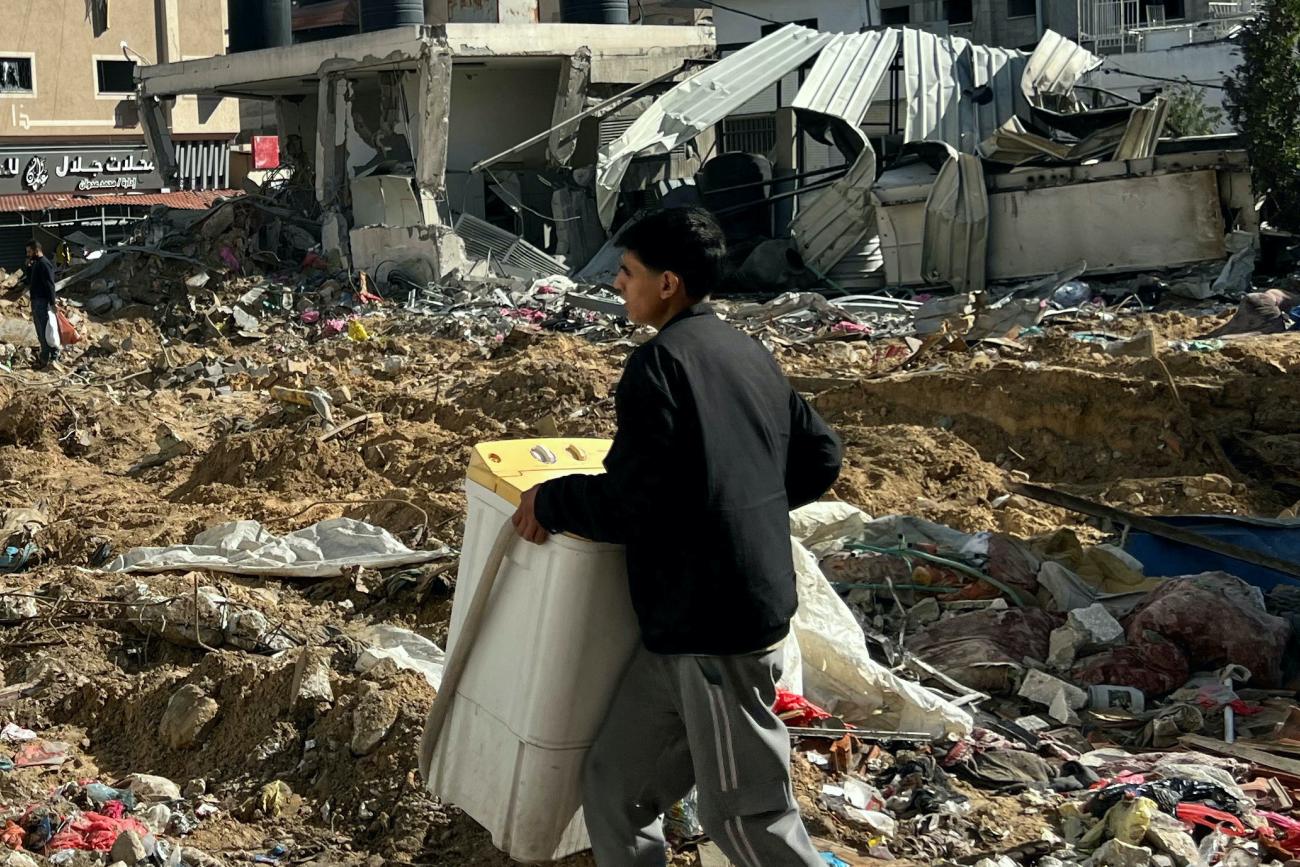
717 740
735 785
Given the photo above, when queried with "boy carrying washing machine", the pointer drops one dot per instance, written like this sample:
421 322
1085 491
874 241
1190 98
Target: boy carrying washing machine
713 450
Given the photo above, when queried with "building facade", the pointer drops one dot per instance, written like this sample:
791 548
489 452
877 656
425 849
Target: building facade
72 153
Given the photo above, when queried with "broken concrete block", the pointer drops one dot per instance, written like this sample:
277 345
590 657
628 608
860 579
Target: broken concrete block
128 848
923 612
189 712
1114 853
250 630
311 677
1041 687
1097 625
148 787
18 608
1168 836
1062 648
1086 630
17 859
372 718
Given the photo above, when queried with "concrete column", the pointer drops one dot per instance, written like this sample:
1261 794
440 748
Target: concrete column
785 165
570 99
433 112
331 167
153 123
331 136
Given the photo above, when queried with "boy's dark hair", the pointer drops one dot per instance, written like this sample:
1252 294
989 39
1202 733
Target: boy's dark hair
34 246
686 241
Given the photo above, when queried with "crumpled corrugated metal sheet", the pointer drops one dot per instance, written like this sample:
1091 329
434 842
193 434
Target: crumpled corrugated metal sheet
955 242
1056 66
847 74
701 101
1000 69
1011 144
832 225
1142 133
935 74
942 72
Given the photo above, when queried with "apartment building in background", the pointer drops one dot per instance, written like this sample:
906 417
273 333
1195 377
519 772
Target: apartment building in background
73 157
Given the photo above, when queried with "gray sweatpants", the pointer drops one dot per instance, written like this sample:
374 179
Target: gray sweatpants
706 721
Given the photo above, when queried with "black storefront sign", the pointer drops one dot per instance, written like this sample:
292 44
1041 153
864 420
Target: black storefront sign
92 169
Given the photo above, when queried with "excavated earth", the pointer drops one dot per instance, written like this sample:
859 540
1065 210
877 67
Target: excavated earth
939 435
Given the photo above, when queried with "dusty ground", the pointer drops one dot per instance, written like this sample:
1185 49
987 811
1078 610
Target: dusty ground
937 436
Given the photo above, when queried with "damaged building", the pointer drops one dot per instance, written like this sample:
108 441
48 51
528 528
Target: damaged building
904 159
386 127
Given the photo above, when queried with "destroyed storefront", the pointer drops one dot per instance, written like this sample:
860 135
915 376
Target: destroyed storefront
90 195
381 130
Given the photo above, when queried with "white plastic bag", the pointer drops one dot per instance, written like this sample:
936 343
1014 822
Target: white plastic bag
838 672
52 329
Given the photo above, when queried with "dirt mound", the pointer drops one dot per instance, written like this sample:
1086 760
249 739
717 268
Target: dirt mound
281 460
33 419
560 376
905 469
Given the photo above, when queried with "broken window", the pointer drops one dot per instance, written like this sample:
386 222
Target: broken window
1021 8
959 11
15 75
896 17
115 76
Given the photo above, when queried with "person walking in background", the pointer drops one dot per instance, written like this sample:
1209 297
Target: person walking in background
40 285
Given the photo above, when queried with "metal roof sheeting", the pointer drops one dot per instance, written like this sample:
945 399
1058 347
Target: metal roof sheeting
933 77
1056 66
701 101
955 241
848 74
1013 145
999 69
1145 125
833 224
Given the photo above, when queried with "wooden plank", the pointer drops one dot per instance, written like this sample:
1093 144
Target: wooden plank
1256 757
1155 528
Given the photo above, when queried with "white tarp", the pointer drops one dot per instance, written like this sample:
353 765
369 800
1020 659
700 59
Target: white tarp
322 550
838 672
699 102
405 648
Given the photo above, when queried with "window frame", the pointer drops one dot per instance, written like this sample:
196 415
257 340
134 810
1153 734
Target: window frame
30 57
114 95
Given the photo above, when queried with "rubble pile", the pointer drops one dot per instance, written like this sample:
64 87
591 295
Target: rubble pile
179 690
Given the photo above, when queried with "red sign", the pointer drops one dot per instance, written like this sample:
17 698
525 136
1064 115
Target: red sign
266 152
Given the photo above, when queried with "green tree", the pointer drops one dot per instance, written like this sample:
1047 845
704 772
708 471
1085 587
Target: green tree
1264 104
1188 113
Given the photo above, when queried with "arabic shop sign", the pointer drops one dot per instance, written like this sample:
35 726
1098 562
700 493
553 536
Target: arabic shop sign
86 170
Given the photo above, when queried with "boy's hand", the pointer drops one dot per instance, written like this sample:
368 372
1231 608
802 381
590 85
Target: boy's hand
525 519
